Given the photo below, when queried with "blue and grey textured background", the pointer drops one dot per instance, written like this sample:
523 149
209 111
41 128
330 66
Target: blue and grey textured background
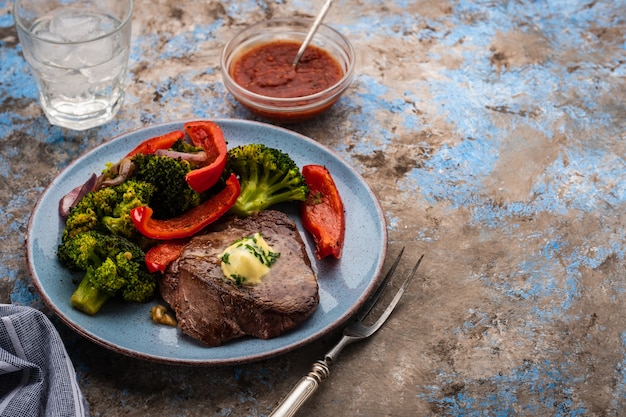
494 135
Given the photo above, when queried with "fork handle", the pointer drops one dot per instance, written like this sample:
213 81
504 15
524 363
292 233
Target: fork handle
302 391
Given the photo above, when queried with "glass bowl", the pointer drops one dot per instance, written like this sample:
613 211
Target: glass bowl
296 109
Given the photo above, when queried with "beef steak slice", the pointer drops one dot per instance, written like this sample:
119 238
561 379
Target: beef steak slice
212 308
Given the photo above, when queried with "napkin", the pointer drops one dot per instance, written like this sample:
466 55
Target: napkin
37 377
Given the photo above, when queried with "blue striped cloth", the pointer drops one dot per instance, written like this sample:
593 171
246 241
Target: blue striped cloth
37 377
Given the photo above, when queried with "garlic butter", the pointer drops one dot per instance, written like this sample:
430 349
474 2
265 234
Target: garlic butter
247 260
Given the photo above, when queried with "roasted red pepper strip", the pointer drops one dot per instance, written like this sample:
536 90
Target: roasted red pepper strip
322 213
209 136
205 134
161 255
190 222
150 146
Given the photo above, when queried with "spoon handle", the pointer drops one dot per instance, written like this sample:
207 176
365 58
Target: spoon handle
312 31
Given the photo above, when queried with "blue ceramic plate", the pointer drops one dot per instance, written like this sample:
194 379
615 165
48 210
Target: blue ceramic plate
127 328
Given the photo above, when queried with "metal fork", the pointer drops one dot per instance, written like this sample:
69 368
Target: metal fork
356 330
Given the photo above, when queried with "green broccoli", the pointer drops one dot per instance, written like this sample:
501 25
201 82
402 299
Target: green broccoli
267 176
114 267
131 194
173 195
108 209
186 147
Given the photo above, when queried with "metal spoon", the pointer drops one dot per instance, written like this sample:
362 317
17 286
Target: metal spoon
312 31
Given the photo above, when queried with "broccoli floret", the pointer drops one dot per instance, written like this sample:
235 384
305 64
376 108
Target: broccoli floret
114 267
130 194
173 195
86 215
183 146
108 210
82 218
267 176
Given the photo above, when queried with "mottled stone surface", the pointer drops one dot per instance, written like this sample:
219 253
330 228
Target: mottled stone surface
494 135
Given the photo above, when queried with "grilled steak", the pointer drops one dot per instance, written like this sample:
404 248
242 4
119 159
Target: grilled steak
212 308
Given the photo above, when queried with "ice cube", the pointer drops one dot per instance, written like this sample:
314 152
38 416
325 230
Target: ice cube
55 54
49 36
77 25
74 85
115 68
95 52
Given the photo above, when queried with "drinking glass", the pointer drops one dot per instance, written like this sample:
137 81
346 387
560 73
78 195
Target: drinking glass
78 51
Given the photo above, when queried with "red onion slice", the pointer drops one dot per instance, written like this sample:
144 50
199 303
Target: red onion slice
70 199
124 170
191 157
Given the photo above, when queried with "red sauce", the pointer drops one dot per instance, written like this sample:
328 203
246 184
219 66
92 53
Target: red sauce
268 70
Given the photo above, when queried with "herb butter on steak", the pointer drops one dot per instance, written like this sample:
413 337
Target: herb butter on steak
213 309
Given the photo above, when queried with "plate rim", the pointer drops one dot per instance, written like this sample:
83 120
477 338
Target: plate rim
89 335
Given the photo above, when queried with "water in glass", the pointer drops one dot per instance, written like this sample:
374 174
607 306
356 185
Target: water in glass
81 71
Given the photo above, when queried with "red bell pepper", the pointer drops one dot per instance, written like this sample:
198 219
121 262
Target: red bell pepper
164 253
151 145
205 134
209 136
190 222
322 213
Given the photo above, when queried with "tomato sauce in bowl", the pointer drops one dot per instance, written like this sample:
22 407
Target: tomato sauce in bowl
257 69
268 70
